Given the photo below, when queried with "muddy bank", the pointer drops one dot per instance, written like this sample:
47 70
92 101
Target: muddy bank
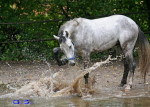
14 75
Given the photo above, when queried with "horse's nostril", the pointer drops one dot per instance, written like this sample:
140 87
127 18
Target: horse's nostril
72 64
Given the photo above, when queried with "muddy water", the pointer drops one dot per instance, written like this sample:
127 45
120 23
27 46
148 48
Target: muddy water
137 97
107 93
78 102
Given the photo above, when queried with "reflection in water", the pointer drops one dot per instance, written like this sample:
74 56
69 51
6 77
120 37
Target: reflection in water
78 102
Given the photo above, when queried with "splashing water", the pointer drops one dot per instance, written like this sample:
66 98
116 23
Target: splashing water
51 82
58 85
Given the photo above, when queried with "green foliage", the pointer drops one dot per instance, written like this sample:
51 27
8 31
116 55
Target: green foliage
13 11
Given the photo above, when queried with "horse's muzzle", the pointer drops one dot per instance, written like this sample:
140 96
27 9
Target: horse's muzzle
56 52
72 63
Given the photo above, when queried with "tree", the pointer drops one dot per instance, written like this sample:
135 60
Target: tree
32 12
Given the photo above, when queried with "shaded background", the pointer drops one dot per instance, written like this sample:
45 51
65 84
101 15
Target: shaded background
27 26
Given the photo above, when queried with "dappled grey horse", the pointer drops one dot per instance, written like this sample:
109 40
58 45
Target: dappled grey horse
84 36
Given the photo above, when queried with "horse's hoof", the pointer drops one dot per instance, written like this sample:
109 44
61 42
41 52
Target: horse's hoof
79 95
120 85
128 88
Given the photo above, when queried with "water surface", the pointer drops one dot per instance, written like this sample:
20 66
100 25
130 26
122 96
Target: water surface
79 102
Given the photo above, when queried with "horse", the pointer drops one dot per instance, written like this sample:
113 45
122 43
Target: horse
83 36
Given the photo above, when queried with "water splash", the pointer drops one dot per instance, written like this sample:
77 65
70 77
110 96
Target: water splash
58 85
51 76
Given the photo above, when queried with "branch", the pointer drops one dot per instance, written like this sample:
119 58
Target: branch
64 12
74 87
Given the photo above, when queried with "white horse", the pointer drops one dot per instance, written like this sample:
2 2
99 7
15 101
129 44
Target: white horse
84 36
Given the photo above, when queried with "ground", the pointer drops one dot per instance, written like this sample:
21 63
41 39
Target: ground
13 75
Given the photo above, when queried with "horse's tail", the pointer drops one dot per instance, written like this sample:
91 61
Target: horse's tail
144 54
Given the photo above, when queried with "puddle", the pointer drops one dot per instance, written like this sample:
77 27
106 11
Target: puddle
78 102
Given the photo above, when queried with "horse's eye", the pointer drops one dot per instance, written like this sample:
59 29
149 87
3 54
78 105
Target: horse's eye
69 47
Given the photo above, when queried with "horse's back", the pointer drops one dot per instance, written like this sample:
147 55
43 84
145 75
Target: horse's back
115 26
102 33
110 21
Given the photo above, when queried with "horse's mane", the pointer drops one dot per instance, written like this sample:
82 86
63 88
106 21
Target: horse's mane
73 22
70 25
76 20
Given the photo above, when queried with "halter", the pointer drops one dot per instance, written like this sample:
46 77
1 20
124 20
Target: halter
71 58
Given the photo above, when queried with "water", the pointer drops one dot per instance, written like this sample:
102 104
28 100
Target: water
79 102
107 94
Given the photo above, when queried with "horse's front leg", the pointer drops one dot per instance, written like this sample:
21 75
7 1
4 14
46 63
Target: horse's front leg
86 76
86 61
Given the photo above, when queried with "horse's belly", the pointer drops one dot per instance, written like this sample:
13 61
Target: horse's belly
105 45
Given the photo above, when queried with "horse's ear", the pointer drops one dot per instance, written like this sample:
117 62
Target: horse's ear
56 37
67 34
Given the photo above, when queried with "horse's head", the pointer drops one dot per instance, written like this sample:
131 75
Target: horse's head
67 46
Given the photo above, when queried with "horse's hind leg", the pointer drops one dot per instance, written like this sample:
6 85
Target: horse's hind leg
129 66
132 66
126 71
